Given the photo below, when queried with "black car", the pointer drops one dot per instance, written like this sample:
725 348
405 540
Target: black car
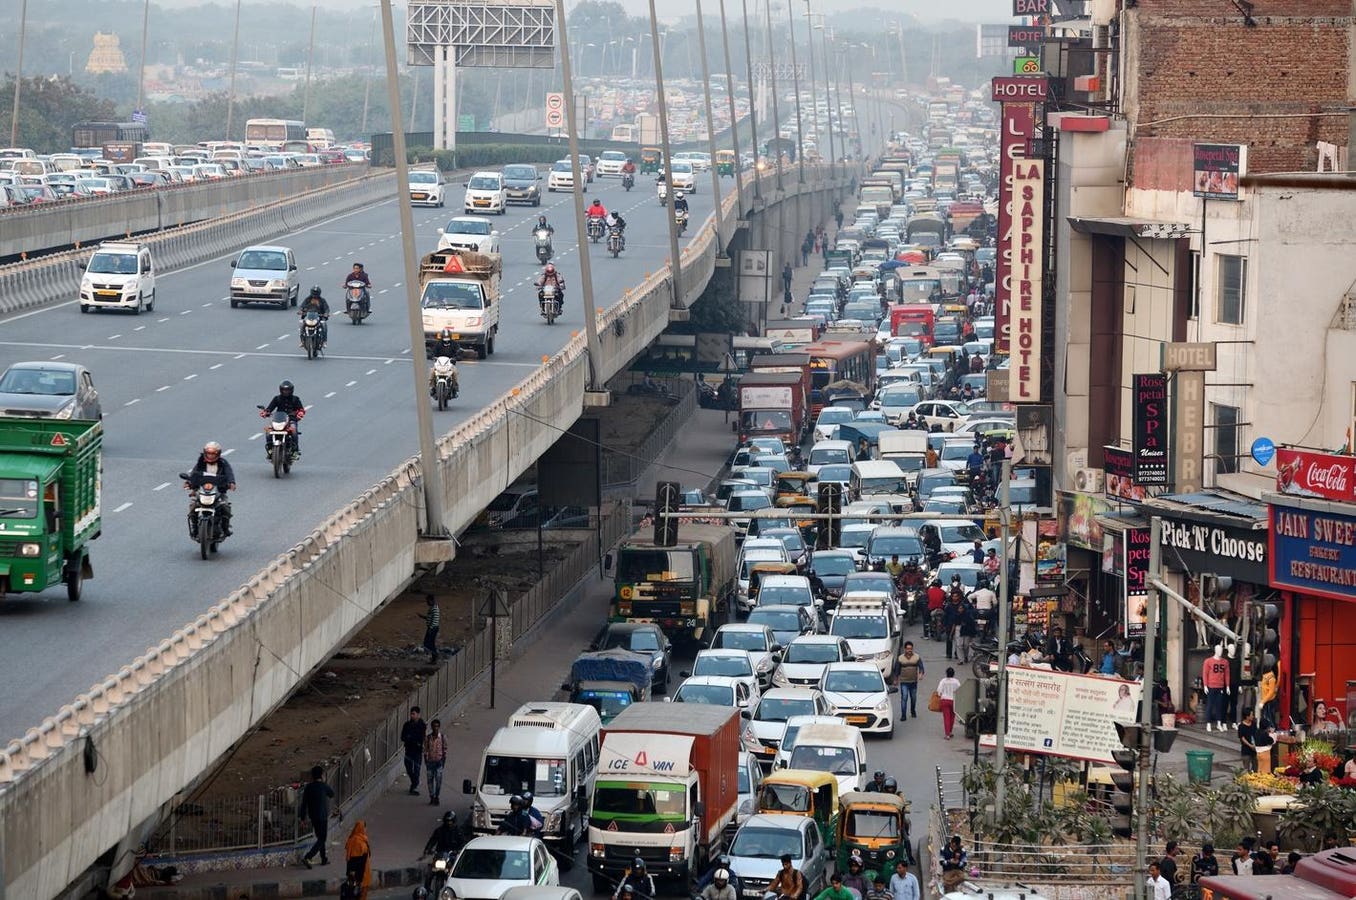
644 638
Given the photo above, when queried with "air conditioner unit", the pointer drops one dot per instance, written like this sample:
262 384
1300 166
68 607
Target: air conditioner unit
1089 481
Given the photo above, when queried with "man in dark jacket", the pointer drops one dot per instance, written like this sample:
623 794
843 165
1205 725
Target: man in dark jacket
211 466
412 735
315 807
445 838
1058 650
287 400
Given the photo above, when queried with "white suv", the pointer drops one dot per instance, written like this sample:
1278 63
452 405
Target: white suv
120 275
485 192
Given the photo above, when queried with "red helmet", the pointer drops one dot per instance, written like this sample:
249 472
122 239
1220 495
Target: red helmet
550 269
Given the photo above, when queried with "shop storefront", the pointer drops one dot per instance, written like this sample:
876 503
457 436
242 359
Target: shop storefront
1214 552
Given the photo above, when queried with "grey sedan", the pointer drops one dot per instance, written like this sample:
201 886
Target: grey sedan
49 390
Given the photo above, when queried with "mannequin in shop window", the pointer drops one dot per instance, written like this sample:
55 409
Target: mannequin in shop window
1215 678
1268 688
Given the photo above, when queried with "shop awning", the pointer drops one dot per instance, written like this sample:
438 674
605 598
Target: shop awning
1125 226
1212 506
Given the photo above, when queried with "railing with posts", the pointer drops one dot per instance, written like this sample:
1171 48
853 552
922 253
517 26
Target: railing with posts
259 821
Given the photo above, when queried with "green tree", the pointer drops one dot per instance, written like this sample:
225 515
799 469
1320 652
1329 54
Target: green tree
48 107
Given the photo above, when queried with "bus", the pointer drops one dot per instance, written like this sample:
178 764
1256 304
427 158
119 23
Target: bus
320 138
268 133
96 134
832 361
625 134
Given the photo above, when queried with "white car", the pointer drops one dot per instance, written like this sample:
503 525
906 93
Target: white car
755 640
682 176
823 453
610 163
943 413
485 192
561 177
701 162
749 775
725 664
426 189
487 867
793 727
715 690
804 659
468 233
779 705
857 692
830 417
957 536
871 632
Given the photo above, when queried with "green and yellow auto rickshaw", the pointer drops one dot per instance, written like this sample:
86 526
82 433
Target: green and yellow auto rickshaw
651 160
725 163
800 792
875 826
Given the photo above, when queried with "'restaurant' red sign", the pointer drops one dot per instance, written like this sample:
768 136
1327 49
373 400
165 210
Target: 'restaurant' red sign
1305 473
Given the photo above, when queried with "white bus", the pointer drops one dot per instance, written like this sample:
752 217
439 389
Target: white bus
273 132
320 138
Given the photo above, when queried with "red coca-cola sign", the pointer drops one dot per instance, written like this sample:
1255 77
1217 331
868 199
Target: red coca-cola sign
1305 473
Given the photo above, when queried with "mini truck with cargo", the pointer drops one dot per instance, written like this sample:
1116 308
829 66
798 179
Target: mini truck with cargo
667 787
772 404
459 289
680 588
50 474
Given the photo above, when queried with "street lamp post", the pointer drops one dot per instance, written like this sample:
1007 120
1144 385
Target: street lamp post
772 82
675 259
810 56
753 101
795 83
734 121
235 56
310 55
18 76
831 98
710 126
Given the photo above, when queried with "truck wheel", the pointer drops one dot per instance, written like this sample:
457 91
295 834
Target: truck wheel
489 343
75 578
483 350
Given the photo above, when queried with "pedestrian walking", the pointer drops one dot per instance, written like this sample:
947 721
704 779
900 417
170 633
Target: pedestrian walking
358 858
904 884
910 667
435 757
786 279
946 693
806 246
786 302
314 806
1248 733
1159 887
412 735
433 619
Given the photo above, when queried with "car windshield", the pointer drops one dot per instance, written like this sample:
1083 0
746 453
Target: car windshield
514 775
727 666
899 396
563 166
776 619
902 545
749 501
811 652
613 155
835 472
609 705
612 799
468 226
484 183
682 167
740 640
827 564
859 627
834 760
961 533
18 498
493 865
709 694
38 381
959 450
783 595
637 564
822 455
640 641
969 575
779 709
423 178
519 172
452 295
865 823
767 843
886 485
262 259
792 541
765 420
854 681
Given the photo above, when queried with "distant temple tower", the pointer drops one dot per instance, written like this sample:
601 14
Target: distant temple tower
106 57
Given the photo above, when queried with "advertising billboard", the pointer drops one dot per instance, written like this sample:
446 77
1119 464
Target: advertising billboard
1026 273
1215 170
1064 714
1150 430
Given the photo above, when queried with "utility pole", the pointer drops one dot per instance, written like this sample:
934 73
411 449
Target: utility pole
581 227
675 263
1004 616
18 75
235 56
795 82
810 54
734 121
434 523
711 127
306 97
141 75
753 101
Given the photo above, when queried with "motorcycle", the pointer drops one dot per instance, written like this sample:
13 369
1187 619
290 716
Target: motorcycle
595 228
357 303
206 523
628 180
444 381
543 241
680 217
312 339
549 299
662 188
441 868
614 241
280 445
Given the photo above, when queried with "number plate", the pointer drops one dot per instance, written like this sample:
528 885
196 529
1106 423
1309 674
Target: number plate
256 290
456 337
108 293
418 196
856 720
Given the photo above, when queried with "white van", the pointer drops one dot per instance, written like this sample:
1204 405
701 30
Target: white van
869 477
120 275
551 750
837 749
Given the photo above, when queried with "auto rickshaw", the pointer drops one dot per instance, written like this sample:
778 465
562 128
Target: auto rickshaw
797 792
876 827
650 160
793 486
761 569
725 163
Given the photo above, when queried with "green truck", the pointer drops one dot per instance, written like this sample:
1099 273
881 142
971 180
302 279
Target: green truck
680 588
50 471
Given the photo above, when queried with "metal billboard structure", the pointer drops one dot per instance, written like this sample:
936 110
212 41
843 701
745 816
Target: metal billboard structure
448 34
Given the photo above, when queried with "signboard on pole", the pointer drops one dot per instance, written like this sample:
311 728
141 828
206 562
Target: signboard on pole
1031 7
755 278
1215 170
1136 567
1119 468
555 110
1018 96
1030 36
1310 473
1063 714
1151 428
1026 271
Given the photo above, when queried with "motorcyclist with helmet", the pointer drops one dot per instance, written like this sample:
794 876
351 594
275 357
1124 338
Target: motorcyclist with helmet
722 864
636 881
445 839
616 221
516 822
596 210
314 302
211 466
443 345
535 820
288 401
549 274
877 782
679 203
719 888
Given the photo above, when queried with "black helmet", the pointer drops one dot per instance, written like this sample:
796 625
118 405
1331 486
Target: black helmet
891 786
879 775
527 798
315 290
285 389
515 802
597 202
637 863
449 817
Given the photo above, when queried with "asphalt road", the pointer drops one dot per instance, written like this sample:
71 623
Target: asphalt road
194 370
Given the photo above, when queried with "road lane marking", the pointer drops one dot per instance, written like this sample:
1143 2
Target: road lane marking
160 389
180 350
281 337
241 355
161 487
140 328
329 395
388 362
166 319
185 312
371 371
126 505
59 356
207 304
228 452
214 368
130 402
255 437
114 337
190 377
261 346
351 384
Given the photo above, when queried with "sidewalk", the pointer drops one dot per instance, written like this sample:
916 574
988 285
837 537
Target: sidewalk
398 824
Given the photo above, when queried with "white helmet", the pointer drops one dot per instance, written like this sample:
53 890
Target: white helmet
679 195
721 875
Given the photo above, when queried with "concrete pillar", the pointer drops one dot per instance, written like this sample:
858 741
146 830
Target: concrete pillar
444 98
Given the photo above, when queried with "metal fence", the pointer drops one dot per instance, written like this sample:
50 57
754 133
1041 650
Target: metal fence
624 469
270 820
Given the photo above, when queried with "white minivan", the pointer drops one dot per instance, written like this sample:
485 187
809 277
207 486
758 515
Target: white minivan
485 192
550 750
120 275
